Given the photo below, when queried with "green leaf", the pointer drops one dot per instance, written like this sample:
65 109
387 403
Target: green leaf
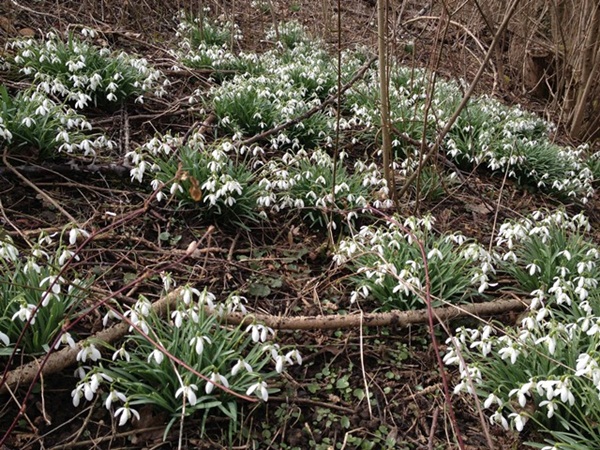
313 388
359 393
342 383
345 422
259 290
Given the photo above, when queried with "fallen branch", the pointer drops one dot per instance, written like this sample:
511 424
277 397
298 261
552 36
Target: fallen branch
66 357
401 319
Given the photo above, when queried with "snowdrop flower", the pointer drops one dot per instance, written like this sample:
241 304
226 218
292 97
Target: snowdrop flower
188 392
215 378
236 302
492 398
510 352
549 341
518 420
178 317
126 413
498 419
96 379
53 281
25 313
435 253
114 396
241 364
207 299
167 280
261 390
533 269
65 339
4 339
28 122
66 256
279 363
551 406
142 306
8 251
563 388
88 351
110 315
121 353
75 233
198 342
522 392
77 394
157 356
187 294
259 332
293 355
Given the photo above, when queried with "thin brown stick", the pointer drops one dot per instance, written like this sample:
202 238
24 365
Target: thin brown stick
37 189
465 99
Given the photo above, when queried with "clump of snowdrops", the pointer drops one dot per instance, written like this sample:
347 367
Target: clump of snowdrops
246 106
37 297
291 80
207 43
501 138
513 141
216 179
547 368
387 261
32 118
304 182
188 364
82 73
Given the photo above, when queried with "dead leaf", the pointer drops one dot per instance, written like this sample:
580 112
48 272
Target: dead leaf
27 32
195 191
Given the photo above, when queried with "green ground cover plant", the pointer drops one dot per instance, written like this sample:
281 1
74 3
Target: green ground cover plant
387 264
207 44
82 73
545 369
242 359
35 299
33 119
216 179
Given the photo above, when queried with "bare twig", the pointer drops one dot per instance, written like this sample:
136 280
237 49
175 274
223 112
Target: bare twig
37 189
465 99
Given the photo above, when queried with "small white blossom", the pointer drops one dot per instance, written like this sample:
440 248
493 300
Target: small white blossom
198 343
188 392
88 351
261 390
241 364
215 378
157 356
126 413
114 396
65 339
